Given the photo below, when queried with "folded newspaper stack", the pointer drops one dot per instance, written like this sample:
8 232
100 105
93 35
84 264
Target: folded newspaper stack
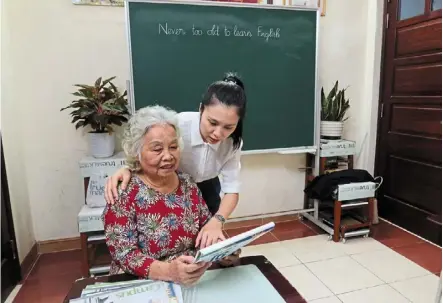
135 291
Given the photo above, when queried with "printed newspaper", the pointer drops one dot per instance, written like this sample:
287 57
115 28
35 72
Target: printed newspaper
142 291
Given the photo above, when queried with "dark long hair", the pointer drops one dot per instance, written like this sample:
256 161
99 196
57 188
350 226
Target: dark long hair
231 92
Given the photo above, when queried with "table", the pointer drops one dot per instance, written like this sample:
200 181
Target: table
278 281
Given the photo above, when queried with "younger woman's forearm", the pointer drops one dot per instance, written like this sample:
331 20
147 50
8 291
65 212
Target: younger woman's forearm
228 204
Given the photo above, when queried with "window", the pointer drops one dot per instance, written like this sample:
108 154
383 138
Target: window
436 4
412 8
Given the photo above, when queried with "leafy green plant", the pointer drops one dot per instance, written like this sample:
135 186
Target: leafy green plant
100 106
335 105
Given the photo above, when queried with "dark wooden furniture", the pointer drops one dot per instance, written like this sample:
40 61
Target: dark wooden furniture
340 228
409 147
278 281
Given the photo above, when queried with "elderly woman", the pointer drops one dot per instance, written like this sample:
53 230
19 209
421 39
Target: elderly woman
151 230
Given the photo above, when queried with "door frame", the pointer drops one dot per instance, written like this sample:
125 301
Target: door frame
17 276
381 88
376 33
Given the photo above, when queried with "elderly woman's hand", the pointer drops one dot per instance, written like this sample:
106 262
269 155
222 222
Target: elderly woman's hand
231 259
184 272
210 234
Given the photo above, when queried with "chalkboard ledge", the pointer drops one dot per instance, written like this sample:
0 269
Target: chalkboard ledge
282 151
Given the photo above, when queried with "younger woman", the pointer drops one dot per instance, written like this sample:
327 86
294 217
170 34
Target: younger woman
212 145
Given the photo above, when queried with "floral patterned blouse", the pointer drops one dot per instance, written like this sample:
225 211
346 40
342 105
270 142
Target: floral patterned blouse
145 225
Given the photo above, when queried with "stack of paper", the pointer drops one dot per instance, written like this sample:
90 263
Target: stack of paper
136 291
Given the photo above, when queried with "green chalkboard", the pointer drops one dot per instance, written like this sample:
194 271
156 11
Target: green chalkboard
177 49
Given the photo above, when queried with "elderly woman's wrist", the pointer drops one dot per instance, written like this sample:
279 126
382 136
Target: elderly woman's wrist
161 271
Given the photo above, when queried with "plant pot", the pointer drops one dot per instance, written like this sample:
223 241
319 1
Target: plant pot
101 145
331 130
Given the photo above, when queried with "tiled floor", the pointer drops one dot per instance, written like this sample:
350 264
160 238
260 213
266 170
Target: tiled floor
392 266
362 270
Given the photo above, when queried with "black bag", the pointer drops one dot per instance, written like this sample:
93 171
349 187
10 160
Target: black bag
323 186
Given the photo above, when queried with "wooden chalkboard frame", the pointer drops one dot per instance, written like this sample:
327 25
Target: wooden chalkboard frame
317 107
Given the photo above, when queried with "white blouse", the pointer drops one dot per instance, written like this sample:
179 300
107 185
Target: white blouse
204 161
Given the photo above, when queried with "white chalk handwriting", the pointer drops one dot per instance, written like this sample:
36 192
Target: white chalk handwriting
220 30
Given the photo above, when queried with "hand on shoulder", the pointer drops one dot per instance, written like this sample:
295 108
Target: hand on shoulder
115 183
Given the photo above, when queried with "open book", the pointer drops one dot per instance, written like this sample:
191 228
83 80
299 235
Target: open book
227 247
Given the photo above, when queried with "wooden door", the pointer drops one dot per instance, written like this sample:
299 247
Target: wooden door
409 146
10 267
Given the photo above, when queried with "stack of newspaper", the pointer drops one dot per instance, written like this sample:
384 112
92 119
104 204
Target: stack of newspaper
135 291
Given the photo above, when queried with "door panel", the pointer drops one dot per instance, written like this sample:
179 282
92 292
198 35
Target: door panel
419 192
413 219
417 79
417 121
409 146
418 38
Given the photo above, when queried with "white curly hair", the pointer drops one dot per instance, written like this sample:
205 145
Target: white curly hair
137 127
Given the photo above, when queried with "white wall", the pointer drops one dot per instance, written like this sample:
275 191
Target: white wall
57 44
350 52
12 135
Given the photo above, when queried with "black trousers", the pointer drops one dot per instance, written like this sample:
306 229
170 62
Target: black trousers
210 190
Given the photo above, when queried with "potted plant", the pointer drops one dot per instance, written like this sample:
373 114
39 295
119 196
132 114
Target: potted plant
100 106
333 110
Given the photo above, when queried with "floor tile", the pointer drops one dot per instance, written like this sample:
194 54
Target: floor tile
54 264
360 245
292 230
313 226
291 235
424 254
46 289
380 294
389 265
306 283
418 290
315 248
282 218
266 238
243 223
274 252
343 274
393 236
225 234
289 226
333 299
